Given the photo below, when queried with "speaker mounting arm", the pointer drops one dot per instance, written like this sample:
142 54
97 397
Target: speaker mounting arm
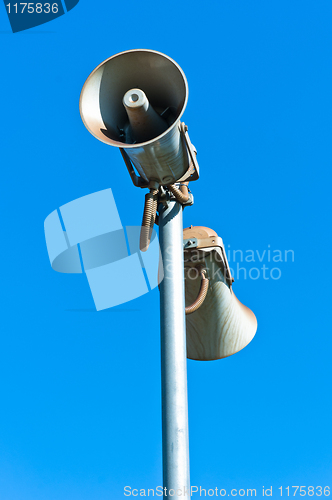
138 181
192 173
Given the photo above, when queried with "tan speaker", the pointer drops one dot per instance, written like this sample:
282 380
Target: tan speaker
222 325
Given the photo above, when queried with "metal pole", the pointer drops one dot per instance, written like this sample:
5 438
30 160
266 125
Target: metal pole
175 434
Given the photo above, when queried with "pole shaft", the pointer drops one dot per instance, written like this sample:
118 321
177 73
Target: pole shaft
175 433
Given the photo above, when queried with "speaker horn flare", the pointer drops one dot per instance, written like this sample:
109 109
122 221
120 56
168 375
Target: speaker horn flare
222 326
149 133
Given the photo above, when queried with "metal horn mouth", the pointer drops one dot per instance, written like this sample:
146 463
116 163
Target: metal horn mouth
152 72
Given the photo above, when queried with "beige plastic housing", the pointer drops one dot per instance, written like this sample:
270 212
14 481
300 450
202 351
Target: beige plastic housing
222 326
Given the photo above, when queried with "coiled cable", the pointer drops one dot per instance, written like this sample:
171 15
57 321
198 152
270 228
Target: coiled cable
201 294
182 193
150 209
149 218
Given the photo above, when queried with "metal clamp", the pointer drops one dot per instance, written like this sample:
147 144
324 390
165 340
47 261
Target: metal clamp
204 244
190 243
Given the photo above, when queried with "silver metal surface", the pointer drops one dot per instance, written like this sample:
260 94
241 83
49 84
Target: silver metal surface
164 157
145 123
174 354
190 243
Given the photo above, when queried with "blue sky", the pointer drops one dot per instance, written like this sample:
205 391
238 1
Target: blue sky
80 408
